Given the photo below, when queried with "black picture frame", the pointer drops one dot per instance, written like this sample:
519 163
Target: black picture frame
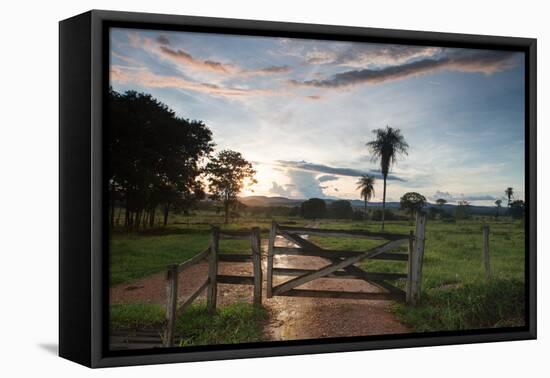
83 281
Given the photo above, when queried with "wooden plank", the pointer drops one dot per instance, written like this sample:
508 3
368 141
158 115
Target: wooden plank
352 270
255 245
171 304
340 274
348 233
341 294
193 296
235 235
235 280
408 289
193 260
228 257
486 256
212 295
270 253
418 257
336 266
334 253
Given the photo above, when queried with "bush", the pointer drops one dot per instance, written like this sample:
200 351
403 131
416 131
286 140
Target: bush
340 210
358 216
313 208
390 215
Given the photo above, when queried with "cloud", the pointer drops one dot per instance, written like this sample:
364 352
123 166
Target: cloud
327 178
486 61
163 40
143 77
284 191
362 55
321 168
462 197
306 184
181 56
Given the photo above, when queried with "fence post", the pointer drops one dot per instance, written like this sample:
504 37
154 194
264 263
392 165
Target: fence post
270 251
417 258
257 265
171 304
408 289
486 257
213 270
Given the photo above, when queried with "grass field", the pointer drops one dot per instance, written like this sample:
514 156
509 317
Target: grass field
232 324
455 293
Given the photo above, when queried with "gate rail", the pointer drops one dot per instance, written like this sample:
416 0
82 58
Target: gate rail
212 253
341 263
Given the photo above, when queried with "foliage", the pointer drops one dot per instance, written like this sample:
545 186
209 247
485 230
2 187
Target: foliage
412 202
366 185
228 173
313 208
498 204
340 209
477 305
517 209
509 192
231 324
462 211
441 202
387 146
155 157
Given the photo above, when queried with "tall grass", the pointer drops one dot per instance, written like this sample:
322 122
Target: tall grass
231 324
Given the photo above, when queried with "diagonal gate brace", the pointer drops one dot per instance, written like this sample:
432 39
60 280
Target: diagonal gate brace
341 264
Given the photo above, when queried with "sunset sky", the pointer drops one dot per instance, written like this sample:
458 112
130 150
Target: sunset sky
302 110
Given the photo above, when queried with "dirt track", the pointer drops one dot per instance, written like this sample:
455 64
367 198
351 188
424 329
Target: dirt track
291 318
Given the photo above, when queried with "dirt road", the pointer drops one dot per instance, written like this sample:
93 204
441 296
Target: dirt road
291 318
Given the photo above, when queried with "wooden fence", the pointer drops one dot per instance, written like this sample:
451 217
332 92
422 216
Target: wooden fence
341 263
213 279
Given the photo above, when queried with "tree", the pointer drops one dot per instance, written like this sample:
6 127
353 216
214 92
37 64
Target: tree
366 185
462 211
510 194
388 144
340 209
517 209
412 202
313 208
156 158
228 173
498 204
441 202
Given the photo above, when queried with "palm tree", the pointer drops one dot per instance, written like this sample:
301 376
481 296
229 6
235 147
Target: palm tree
388 144
498 203
366 184
510 194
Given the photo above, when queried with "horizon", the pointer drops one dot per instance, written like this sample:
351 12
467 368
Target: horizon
302 110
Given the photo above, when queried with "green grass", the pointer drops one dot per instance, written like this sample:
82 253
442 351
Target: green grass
455 294
232 324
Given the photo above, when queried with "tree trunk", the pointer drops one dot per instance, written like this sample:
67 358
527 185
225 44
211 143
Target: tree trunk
166 209
384 203
226 211
152 217
365 212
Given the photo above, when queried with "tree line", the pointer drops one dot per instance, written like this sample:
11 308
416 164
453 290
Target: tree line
161 162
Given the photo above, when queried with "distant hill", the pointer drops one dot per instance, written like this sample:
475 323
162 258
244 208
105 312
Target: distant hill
265 201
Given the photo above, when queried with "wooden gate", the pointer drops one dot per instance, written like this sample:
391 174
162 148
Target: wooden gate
341 263
213 279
